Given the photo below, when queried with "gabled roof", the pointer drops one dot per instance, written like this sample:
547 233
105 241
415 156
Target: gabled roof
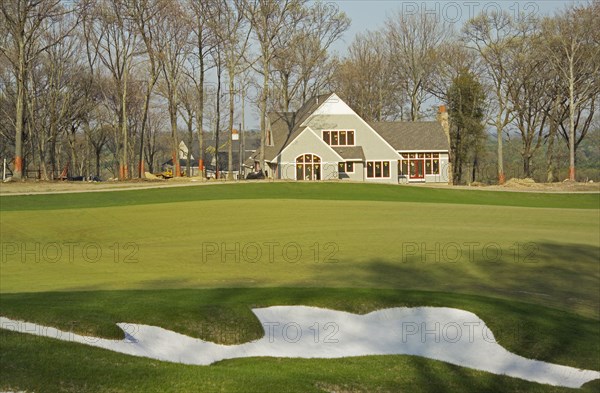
401 136
350 152
285 126
404 135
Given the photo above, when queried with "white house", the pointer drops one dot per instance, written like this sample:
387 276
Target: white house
325 140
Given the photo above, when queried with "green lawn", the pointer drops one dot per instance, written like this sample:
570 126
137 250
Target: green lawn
294 190
525 263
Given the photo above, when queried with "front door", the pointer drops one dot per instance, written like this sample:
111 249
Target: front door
417 169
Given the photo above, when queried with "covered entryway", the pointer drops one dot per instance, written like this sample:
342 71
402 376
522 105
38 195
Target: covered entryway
308 167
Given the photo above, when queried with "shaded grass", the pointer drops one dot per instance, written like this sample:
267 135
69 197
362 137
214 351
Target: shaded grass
295 190
66 367
224 315
46 365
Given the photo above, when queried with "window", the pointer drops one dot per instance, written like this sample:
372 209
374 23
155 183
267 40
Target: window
339 138
403 167
308 167
378 169
420 164
346 167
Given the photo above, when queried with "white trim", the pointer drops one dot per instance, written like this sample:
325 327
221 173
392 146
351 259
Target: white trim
306 129
374 177
346 162
319 107
333 105
335 97
422 151
338 131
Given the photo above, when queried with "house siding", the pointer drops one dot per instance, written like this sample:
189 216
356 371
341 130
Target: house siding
375 148
307 143
333 114
357 175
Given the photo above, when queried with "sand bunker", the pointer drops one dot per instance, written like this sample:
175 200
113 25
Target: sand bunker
451 335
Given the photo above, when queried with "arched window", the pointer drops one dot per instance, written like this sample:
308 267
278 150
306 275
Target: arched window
308 167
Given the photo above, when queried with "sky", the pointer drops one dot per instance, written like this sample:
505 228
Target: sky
371 15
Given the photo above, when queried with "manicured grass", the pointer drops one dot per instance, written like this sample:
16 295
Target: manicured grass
65 367
546 256
223 315
197 259
294 190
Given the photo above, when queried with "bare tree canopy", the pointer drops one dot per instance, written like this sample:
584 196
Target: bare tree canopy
108 88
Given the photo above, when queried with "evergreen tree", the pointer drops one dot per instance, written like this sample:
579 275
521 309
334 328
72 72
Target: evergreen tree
466 101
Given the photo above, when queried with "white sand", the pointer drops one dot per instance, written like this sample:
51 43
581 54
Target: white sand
451 335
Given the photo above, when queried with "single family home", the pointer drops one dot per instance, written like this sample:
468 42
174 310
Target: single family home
326 140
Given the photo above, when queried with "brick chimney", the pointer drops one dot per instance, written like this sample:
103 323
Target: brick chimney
442 117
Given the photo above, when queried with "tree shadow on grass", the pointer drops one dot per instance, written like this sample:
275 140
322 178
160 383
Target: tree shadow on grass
563 278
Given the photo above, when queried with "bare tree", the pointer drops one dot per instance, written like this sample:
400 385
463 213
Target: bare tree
270 19
414 42
530 91
301 64
365 79
173 34
114 40
187 110
203 43
146 15
573 43
230 28
24 22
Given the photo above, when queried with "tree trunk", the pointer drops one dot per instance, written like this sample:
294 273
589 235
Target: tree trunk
231 110
571 121
550 168
499 129
123 170
218 118
18 169
98 151
141 171
527 165
174 137
188 168
200 108
263 111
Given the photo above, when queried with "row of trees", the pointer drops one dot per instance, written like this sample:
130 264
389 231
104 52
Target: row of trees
91 75
537 78
99 80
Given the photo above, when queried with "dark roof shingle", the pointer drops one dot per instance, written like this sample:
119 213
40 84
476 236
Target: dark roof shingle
350 152
421 135
285 126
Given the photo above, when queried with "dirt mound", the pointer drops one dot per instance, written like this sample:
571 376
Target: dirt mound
515 182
